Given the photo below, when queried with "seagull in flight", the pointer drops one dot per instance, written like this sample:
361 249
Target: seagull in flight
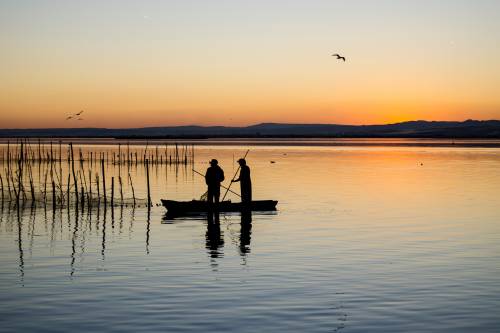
76 115
339 57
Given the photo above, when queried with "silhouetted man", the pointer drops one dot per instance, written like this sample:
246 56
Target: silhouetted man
245 181
213 178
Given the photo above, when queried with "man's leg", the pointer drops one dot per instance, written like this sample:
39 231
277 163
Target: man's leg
217 195
210 196
246 194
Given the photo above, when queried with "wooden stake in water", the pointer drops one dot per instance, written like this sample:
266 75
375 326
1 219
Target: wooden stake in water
132 186
98 189
7 173
1 185
61 191
60 153
82 198
67 190
39 152
128 153
90 190
103 182
112 191
73 172
121 190
147 177
32 186
20 175
53 196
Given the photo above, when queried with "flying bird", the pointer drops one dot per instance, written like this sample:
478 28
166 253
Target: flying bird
339 57
75 116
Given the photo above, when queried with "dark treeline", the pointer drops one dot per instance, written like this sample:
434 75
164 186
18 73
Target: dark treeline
410 129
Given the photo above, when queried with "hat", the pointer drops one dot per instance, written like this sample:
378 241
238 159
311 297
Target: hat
242 160
214 161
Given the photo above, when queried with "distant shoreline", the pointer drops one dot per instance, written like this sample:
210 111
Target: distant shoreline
448 130
272 142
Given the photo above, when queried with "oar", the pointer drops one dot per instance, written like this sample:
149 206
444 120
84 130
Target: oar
237 170
199 173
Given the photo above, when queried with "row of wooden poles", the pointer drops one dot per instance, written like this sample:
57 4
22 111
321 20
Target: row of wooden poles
21 157
53 152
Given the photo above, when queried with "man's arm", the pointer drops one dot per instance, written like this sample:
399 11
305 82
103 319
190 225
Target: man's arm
237 180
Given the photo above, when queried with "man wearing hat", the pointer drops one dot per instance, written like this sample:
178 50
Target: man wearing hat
245 181
213 177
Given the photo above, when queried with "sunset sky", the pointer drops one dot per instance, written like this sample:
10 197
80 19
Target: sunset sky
153 63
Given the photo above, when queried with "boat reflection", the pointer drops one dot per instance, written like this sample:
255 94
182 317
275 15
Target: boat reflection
214 237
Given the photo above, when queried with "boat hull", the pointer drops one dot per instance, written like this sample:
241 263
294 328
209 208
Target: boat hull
196 206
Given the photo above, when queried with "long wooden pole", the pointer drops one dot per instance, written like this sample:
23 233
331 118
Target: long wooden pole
132 186
199 173
20 175
149 191
67 189
1 185
75 181
53 196
103 182
112 192
121 190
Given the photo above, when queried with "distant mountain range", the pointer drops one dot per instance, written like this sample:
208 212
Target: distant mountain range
410 129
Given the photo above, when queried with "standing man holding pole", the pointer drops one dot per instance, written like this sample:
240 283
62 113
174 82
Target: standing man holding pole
213 177
245 181
234 177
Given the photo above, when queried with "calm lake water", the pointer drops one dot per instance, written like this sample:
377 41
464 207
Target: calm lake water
365 239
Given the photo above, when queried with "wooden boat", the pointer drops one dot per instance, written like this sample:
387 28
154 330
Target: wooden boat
197 206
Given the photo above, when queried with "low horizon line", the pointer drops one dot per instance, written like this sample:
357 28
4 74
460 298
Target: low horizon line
254 124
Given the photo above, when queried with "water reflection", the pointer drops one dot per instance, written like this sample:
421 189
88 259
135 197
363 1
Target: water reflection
121 220
245 232
148 229
73 245
112 216
31 229
214 237
80 226
103 243
20 246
